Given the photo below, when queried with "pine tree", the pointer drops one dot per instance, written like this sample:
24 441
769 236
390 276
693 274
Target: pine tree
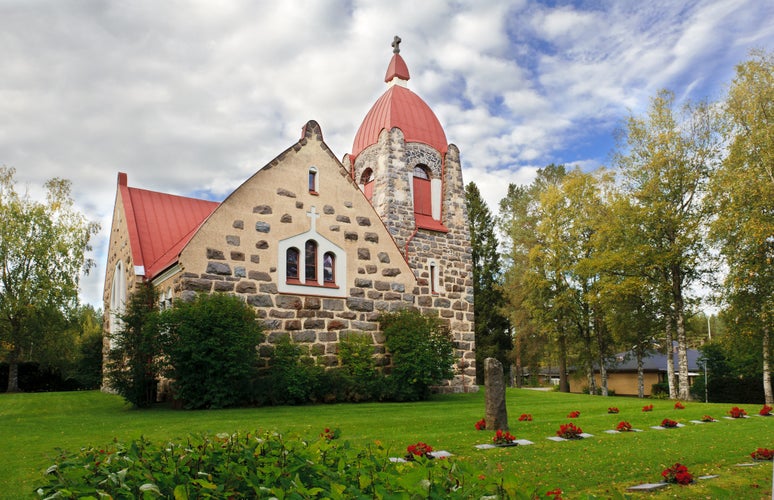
493 339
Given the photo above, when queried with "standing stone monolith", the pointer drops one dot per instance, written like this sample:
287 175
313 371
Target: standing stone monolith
496 415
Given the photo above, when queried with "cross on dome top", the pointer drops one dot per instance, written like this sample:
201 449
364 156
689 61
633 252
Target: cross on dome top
396 44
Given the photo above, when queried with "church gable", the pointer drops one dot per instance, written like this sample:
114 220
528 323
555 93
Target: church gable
300 242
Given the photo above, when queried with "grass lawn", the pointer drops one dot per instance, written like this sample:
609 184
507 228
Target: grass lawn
32 426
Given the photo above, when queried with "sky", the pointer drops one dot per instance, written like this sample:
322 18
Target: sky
193 97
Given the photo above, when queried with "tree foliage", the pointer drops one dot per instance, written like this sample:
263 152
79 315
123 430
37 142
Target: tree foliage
665 159
135 360
42 255
493 339
743 197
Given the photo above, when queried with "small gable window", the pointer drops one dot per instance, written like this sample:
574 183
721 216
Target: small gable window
310 260
329 268
291 264
313 180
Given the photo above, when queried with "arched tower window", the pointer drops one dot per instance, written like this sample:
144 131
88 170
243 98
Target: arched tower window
291 263
367 183
310 260
422 172
423 201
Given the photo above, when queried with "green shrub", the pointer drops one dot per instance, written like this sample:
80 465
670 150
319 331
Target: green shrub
260 465
422 354
359 374
292 377
211 347
134 361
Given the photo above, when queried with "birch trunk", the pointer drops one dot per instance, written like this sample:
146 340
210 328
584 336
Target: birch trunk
670 361
684 388
767 393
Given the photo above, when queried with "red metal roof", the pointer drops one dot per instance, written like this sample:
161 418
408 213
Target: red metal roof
400 107
160 225
397 68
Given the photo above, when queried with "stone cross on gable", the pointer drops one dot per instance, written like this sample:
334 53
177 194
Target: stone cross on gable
396 44
313 215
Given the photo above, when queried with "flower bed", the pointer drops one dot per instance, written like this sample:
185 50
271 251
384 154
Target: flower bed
737 412
678 473
762 454
668 423
569 431
503 438
623 427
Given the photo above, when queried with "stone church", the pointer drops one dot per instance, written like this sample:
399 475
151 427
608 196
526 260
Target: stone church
319 247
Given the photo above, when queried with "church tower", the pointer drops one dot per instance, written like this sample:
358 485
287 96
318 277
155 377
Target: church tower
413 178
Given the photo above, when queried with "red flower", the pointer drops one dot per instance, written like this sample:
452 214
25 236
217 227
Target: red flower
612 409
557 494
678 473
737 412
679 406
525 417
481 425
574 414
569 431
419 450
762 454
647 408
329 435
503 437
623 427
765 411
668 423
707 418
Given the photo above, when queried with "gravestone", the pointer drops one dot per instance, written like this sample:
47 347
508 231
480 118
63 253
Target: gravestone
496 415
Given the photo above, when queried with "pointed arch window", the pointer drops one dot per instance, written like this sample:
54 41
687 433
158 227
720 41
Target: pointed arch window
310 261
291 264
329 268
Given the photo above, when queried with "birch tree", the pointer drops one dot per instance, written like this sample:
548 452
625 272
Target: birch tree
743 193
665 159
42 255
